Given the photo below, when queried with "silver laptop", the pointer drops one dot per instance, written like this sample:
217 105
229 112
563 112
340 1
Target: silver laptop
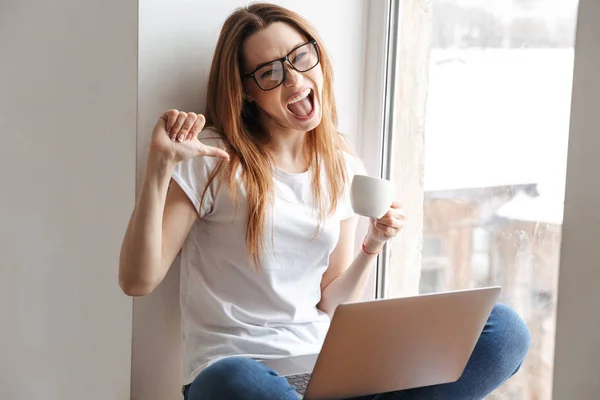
392 344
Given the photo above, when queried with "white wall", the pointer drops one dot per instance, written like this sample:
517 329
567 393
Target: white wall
577 356
67 167
176 42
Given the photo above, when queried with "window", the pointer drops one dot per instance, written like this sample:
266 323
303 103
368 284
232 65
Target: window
478 106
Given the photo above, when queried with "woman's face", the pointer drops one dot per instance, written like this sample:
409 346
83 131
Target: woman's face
296 103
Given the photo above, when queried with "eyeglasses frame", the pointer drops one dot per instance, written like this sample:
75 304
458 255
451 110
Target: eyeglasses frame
282 61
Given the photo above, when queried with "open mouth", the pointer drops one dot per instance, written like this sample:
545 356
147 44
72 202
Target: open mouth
302 106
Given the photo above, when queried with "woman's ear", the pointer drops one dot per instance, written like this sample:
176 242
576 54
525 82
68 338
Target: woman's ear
248 97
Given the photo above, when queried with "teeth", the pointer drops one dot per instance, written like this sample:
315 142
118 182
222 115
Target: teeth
300 96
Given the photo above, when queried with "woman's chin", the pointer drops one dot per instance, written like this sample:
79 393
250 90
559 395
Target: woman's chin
314 122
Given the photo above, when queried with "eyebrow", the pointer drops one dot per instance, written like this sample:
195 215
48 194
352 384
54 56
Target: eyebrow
279 58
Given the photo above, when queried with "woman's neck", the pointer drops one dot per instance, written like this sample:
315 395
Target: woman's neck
287 148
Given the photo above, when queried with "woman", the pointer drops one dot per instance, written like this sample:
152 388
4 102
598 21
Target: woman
259 205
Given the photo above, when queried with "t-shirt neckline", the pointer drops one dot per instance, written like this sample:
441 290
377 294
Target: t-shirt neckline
293 176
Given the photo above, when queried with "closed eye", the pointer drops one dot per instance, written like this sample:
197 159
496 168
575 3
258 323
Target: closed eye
298 57
266 74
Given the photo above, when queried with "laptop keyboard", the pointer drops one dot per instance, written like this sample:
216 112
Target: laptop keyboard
300 381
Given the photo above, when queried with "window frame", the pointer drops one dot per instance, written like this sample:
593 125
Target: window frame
377 104
577 354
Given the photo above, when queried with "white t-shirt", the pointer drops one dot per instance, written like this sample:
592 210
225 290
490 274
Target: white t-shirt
227 307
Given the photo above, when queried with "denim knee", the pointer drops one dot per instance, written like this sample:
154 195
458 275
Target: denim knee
234 368
237 378
510 335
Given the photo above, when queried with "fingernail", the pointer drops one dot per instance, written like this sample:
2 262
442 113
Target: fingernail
173 138
180 139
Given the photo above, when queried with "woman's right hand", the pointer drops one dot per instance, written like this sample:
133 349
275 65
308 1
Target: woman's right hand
175 137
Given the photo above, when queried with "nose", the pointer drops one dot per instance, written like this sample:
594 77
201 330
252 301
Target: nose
292 77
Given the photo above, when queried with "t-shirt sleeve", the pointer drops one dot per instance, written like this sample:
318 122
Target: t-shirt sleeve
354 166
192 175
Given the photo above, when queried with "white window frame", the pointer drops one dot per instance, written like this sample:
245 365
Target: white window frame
577 355
376 120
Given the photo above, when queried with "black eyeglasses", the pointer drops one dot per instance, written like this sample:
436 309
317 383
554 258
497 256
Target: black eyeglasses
270 75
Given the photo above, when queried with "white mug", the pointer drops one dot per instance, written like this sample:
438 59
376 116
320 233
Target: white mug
371 197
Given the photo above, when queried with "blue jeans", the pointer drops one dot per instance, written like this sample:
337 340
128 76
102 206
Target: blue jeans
497 356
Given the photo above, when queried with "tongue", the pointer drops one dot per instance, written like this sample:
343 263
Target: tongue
301 108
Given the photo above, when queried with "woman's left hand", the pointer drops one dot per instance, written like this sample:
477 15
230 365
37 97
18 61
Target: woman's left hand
386 227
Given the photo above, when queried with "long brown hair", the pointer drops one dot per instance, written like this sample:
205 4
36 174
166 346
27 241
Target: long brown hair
237 121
